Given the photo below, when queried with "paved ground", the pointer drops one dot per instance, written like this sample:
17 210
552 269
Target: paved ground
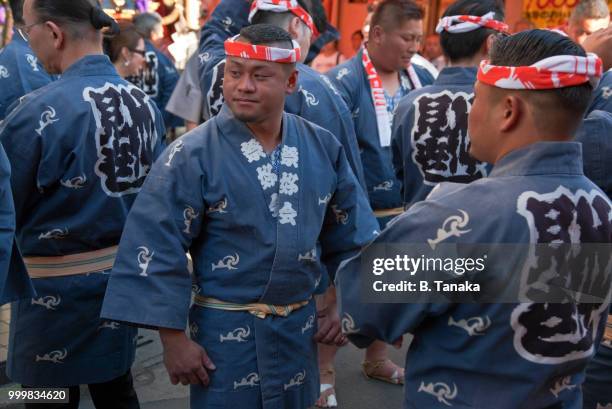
156 392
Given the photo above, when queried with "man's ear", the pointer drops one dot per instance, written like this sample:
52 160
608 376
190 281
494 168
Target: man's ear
291 83
294 27
487 45
376 35
513 112
59 36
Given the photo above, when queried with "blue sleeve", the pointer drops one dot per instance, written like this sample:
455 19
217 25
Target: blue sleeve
343 87
594 134
14 281
366 322
398 140
150 285
23 147
349 222
168 80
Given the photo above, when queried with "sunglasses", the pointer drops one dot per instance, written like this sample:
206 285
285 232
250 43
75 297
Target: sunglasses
141 52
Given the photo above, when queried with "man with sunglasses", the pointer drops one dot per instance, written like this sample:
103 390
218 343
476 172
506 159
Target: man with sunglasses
20 71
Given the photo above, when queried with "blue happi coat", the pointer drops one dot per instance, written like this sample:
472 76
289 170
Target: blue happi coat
595 136
315 99
20 72
158 80
258 229
14 281
351 80
80 149
602 96
430 141
494 355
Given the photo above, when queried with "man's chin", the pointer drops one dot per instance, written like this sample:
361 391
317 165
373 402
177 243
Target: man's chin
246 116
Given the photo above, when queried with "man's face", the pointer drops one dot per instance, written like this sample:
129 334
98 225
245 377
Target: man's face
398 46
40 38
580 30
303 38
432 47
255 90
481 128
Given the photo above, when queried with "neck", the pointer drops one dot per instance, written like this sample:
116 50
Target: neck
77 50
467 62
121 69
376 61
268 132
523 140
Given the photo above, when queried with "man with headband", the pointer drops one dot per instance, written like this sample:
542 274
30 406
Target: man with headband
266 204
314 99
510 355
430 139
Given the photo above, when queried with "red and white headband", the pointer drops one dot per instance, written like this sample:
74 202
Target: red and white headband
465 24
235 48
560 71
283 6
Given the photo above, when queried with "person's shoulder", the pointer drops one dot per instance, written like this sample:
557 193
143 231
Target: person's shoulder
426 77
345 72
595 124
311 129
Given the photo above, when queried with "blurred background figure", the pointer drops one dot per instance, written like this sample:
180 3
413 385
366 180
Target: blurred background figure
159 76
126 51
328 58
356 41
433 52
588 17
20 71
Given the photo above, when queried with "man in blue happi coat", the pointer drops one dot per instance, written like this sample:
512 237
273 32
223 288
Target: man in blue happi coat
513 355
20 71
430 141
266 204
372 84
315 99
80 149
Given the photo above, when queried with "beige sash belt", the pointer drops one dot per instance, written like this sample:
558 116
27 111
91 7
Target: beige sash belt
257 309
389 212
73 264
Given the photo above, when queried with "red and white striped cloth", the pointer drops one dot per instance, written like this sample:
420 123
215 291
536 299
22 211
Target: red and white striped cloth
248 51
283 6
465 24
559 71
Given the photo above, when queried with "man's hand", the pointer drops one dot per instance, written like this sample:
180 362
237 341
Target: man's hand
185 360
330 331
600 43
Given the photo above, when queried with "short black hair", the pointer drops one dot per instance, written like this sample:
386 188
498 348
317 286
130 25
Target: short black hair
74 15
390 14
17 10
527 48
282 19
465 45
267 34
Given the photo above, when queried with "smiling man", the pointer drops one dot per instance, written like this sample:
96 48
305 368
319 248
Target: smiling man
266 204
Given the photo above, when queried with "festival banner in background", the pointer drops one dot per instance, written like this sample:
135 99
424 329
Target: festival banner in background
549 13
